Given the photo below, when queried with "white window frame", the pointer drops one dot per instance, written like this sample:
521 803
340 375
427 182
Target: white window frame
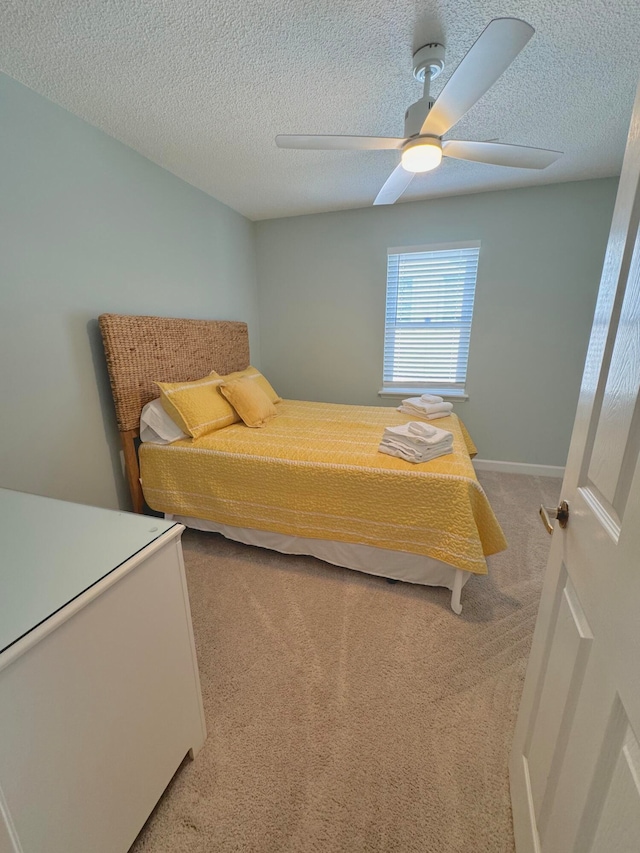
452 390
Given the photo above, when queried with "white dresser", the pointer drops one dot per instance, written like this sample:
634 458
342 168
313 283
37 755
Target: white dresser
99 690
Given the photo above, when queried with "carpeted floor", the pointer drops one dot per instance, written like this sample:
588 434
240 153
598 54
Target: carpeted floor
346 714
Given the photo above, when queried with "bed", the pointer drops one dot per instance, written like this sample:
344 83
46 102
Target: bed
311 481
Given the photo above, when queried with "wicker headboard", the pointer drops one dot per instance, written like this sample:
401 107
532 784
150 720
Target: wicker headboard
143 350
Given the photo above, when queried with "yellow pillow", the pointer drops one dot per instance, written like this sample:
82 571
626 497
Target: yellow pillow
249 400
257 377
197 407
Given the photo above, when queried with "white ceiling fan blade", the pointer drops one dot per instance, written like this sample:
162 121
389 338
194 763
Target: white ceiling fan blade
500 154
337 143
491 55
394 186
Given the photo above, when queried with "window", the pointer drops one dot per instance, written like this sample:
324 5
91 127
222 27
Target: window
430 294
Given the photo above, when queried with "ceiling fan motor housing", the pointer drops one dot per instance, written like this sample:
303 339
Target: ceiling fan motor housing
416 114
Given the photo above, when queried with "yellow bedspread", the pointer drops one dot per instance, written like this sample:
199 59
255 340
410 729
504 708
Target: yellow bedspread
315 471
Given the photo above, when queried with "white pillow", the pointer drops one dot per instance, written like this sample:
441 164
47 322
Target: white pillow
156 427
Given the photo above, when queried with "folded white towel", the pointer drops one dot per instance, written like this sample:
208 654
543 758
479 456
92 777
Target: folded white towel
410 453
392 448
417 428
404 433
433 454
426 408
431 398
415 414
391 451
420 454
416 442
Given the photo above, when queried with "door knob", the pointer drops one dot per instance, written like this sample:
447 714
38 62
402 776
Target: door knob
561 512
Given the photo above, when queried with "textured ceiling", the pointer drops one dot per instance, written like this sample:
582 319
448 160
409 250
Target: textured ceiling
203 86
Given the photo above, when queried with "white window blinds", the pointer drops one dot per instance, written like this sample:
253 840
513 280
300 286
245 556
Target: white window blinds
428 318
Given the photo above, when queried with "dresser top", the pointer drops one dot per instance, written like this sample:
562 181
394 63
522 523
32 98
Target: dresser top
52 551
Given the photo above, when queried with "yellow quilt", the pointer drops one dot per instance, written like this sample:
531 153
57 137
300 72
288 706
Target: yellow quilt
315 471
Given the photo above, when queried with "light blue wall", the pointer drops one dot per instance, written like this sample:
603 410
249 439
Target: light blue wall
89 226
322 285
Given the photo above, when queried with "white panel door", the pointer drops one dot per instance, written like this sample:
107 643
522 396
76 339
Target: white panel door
575 764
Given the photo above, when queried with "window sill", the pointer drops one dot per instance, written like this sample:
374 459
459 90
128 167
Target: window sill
451 395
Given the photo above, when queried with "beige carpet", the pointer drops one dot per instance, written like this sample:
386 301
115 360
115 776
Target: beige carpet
348 714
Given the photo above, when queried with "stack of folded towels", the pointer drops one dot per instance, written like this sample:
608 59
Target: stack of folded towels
428 406
416 442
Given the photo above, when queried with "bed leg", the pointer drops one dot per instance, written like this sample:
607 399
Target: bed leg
456 606
132 469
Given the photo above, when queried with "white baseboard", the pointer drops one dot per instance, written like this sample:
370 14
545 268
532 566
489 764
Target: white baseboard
519 468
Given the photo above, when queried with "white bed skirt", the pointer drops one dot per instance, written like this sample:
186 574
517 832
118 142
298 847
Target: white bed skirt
398 565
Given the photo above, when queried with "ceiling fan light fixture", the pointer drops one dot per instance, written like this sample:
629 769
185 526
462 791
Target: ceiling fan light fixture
422 155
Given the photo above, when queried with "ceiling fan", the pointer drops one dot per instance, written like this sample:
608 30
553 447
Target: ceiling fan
427 121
